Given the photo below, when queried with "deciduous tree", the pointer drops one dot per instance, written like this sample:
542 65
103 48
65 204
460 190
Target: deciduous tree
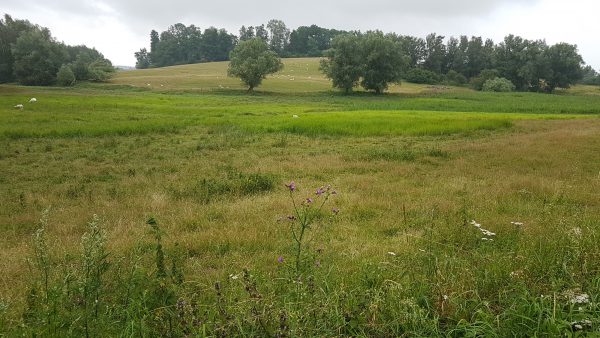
383 62
279 35
343 64
252 61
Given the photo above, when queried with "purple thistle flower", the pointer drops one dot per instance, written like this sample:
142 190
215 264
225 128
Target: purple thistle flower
335 211
291 186
309 200
320 191
280 259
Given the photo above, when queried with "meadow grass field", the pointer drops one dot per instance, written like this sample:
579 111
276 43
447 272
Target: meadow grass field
455 213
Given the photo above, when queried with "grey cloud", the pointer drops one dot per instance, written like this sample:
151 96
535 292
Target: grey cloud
236 13
143 15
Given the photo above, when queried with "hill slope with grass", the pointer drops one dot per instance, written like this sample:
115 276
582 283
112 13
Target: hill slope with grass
299 75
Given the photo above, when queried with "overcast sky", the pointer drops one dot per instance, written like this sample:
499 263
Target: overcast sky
118 28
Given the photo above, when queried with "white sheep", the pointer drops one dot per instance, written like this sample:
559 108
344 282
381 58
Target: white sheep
33 99
19 106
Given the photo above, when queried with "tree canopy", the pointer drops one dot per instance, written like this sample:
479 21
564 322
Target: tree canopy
31 56
383 62
373 59
531 65
343 64
252 61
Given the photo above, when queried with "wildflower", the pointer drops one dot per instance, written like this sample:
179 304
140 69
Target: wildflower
517 274
319 191
309 200
517 223
391 253
291 186
486 239
333 192
280 259
234 277
335 211
582 298
576 231
578 326
445 297
291 217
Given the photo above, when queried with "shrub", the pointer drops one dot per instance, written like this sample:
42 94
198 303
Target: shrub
65 76
100 70
486 74
455 78
424 76
498 84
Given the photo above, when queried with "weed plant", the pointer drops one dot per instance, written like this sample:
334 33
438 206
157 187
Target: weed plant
468 283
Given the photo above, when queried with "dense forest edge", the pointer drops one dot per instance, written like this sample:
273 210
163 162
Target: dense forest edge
530 65
30 55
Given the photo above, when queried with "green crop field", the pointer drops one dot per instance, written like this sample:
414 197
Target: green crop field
187 175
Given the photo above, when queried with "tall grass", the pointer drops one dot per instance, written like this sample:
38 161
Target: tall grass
444 283
206 173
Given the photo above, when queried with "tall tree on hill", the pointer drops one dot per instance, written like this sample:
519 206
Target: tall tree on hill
311 40
280 36
564 66
476 57
246 33
521 61
344 62
216 44
590 76
489 54
142 59
252 61
456 55
412 47
154 41
383 62
262 33
435 54
510 60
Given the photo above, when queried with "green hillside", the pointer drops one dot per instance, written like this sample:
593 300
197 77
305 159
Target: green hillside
299 75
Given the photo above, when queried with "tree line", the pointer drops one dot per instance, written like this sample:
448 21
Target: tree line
181 44
375 59
529 65
30 55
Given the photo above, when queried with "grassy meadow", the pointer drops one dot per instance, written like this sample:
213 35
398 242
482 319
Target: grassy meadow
186 173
